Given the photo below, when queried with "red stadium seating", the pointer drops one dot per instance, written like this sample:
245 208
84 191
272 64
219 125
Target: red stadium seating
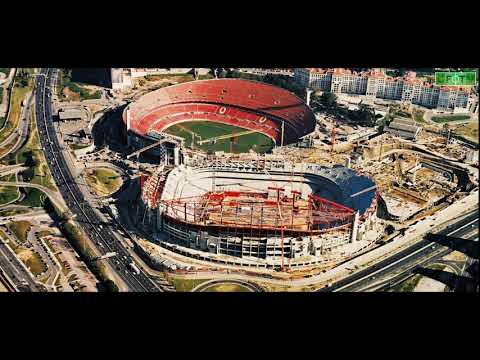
248 104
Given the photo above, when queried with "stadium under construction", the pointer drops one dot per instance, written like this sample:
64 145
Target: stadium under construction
246 209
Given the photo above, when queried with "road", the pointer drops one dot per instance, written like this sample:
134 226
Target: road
12 169
409 256
21 131
16 271
52 195
85 215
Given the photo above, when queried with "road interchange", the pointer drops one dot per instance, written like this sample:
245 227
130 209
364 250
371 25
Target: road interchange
409 258
74 198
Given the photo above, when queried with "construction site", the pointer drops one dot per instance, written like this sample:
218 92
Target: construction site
259 212
299 208
316 199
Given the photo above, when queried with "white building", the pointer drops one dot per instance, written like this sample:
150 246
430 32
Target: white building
348 82
121 79
375 84
452 98
314 78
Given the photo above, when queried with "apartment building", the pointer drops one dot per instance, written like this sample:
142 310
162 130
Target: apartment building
375 84
314 78
348 82
451 98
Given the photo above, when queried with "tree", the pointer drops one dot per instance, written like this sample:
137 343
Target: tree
366 115
110 286
329 100
390 229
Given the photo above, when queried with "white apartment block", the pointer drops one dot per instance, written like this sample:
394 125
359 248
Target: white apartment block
264 71
346 82
315 79
121 79
376 84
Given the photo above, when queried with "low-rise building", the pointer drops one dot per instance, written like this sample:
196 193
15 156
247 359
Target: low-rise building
72 114
403 128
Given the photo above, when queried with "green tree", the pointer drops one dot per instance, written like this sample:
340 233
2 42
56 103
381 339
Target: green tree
366 115
329 100
110 286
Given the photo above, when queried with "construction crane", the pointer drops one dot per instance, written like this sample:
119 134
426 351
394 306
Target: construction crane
169 138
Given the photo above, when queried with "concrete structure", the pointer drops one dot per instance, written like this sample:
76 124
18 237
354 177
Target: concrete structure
72 114
257 211
121 79
472 156
403 128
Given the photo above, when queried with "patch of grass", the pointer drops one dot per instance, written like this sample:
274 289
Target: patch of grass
206 130
407 285
186 285
227 288
468 131
33 198
8 193
448 118
82 91
176 77
35 264
20 229
31 154
418 116
76 239
78 89
103 181
436 267
78 146
17 96
5 213
401 113
6 71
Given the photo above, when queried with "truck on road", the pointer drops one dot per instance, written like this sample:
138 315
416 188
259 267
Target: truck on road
134 268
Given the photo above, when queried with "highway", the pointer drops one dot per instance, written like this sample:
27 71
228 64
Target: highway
385 280
16 272
85 215
407 258
20 134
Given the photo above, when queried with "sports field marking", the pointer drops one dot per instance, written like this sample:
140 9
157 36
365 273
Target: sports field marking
226 136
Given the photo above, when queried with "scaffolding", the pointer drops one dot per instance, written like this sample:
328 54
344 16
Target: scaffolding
257 211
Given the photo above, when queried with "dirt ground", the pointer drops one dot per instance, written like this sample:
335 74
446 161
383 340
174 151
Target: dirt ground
70 95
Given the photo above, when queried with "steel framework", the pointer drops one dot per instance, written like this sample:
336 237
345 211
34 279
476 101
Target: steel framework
256 211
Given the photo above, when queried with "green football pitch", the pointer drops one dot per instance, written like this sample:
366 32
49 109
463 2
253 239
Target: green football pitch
195 131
